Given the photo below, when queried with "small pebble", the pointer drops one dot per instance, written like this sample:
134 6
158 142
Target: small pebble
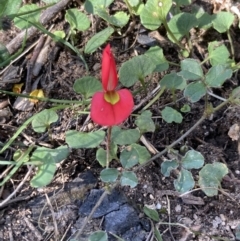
158 206
96 66
195 216
151 196
151 206
178 208
222 217
237 172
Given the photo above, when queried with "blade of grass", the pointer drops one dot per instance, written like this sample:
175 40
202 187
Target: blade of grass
58 39
19 163
7 61
46 99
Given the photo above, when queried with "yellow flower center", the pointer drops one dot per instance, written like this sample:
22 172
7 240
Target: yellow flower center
111 97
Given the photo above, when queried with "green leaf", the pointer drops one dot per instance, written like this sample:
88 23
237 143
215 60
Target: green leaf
182 2
101 155
87 86
191 69
119 19
129 157
150 18
124 137
210 177
129 178
33 17
4 54
236 93
43 120
184 182
154 13
218 53
173 81
19 154
91 5
60 34
134 2
76 139
217 75
143 154
168 166
77 19
136 69
58 154
8 8
192 160
171 115
157 235
136 10
97 40
151 213
109 175
98 236
45 172
195 91
158 58
181 24
205 20
163 7
51 1
144 122
237 232
223 21
186 108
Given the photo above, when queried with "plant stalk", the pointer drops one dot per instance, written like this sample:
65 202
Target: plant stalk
155 98
231 43
204 116
164 21
108 146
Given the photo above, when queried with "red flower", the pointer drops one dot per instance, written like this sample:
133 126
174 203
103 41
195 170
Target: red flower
110 107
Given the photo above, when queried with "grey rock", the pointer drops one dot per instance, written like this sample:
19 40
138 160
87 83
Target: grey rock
121 220
111 203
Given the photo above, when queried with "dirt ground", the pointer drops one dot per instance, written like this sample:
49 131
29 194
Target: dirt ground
215 218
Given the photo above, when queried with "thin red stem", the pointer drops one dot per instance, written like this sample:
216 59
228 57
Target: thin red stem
108 145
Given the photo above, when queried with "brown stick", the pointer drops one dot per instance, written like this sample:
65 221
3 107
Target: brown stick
45 17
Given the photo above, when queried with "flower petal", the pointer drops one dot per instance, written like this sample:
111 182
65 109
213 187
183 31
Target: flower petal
109 70
106 114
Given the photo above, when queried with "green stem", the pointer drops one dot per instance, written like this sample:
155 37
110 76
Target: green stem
14 56
21 128
19 163
231 43
155 98
129 7
58 39
108 146
143 85
174 64
204 61
173 144
42 99
164 21
205 115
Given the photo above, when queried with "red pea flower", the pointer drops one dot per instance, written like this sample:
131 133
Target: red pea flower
110 107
